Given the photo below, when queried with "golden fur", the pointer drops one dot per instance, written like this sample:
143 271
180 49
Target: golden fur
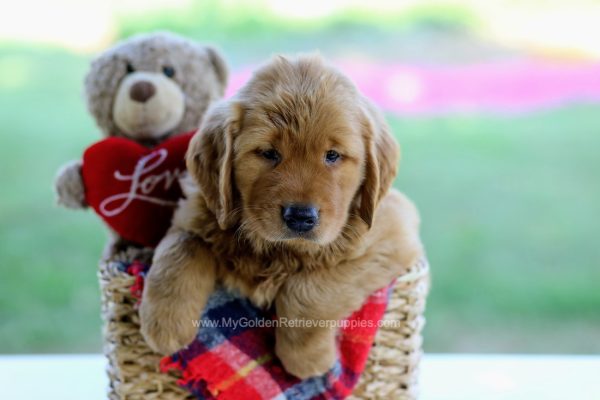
230 229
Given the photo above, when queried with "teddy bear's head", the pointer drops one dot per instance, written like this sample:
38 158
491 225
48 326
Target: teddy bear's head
152 86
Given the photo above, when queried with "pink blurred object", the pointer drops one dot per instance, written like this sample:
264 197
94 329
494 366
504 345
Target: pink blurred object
514 86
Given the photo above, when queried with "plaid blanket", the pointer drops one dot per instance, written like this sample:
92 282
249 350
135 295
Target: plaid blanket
229 361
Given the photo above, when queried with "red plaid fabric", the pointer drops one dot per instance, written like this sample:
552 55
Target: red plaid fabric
229 361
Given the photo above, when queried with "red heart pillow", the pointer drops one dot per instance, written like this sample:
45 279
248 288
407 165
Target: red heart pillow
133 188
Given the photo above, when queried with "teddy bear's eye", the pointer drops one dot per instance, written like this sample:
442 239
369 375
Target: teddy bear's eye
130 68
169 71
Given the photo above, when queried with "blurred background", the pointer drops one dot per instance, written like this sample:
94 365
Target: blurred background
496 104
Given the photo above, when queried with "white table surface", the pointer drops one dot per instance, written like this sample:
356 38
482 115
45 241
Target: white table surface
443 377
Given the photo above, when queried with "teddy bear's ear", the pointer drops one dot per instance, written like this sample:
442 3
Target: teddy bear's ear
100 86
219 65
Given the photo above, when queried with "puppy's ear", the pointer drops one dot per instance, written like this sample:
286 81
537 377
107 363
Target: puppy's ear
382 156
209 159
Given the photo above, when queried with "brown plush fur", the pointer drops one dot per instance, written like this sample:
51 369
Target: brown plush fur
178 105
200 73
230 228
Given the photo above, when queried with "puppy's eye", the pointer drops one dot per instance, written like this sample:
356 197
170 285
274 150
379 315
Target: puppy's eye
169 71
332 156
129 68
271 155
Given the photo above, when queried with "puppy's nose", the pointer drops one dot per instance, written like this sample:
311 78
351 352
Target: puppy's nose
300 218
141 91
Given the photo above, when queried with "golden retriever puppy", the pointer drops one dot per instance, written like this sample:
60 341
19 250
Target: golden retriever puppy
291 205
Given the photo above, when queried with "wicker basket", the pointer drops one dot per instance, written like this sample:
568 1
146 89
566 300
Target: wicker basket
391 371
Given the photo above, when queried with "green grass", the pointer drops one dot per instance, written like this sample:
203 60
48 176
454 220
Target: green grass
243 21
48 288
510 211
510 219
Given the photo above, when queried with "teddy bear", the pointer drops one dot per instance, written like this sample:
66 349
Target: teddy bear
147 95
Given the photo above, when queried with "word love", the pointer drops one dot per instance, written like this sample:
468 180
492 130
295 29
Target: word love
142 184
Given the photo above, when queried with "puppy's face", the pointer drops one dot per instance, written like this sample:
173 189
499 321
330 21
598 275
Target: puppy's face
297 170
293 155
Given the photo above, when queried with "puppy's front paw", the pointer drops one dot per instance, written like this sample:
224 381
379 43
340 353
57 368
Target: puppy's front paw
315 357
165 328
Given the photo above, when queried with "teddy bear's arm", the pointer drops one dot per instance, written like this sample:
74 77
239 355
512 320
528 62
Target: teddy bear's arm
68 186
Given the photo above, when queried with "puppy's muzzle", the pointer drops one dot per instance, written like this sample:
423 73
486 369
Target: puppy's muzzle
300 218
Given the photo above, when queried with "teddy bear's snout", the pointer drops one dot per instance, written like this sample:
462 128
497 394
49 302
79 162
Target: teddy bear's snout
148 104
142 91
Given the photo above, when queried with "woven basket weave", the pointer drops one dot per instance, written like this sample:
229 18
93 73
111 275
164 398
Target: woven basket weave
391 371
